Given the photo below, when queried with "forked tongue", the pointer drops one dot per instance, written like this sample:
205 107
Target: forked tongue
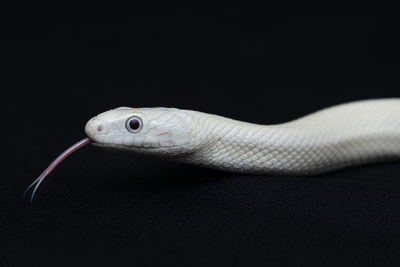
54 164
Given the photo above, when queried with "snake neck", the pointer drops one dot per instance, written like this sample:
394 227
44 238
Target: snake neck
235 146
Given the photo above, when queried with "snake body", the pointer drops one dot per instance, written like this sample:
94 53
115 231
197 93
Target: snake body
333 138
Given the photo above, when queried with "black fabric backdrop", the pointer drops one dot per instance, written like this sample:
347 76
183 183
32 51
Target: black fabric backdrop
259 63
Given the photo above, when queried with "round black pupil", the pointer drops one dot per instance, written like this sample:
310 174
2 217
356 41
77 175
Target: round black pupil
134 124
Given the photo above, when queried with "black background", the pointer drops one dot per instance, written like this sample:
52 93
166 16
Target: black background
259 63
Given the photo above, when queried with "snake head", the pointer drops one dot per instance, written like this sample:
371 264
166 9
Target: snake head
162 131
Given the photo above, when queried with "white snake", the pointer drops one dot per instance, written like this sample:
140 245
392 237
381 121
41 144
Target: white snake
340 136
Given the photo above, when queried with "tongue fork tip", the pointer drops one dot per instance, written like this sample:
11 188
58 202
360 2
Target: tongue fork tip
57 161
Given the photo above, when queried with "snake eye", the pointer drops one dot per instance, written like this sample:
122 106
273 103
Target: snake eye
134 124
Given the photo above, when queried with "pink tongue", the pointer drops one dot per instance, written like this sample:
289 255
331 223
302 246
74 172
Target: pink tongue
57 161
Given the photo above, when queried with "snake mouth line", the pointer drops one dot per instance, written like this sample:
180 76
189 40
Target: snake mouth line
127 147
117 147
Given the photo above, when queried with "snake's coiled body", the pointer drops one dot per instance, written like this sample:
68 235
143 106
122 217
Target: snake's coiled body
333 138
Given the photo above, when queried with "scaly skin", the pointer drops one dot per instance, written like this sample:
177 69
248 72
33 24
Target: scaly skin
337 137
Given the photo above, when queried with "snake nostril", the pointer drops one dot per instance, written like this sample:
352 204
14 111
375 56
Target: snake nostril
99 128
